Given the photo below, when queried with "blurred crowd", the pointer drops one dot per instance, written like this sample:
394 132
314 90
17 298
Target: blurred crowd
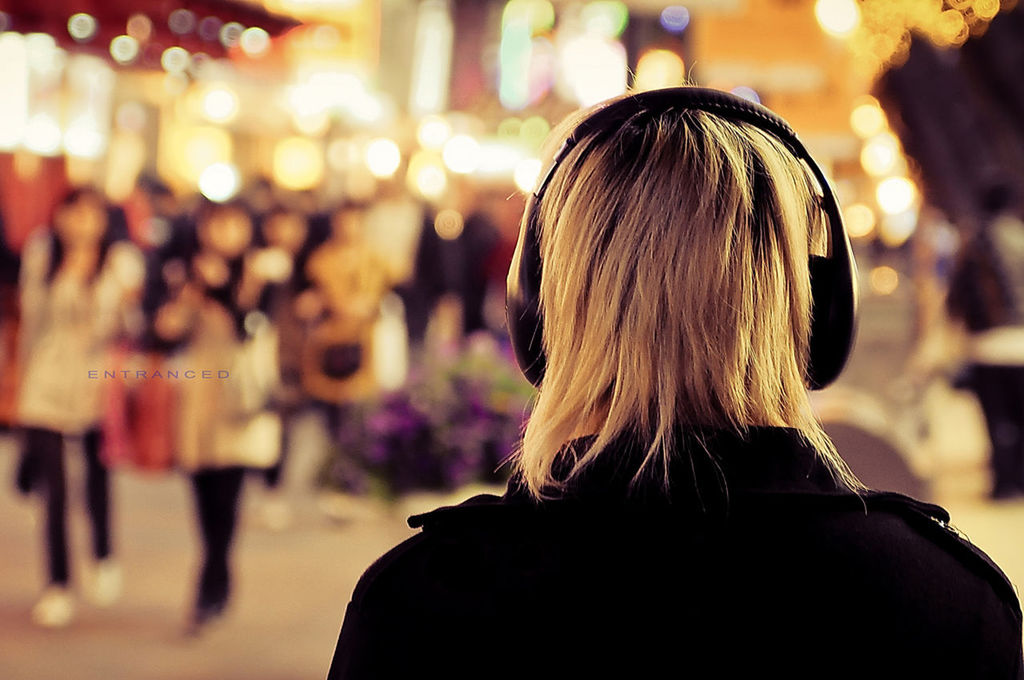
177 332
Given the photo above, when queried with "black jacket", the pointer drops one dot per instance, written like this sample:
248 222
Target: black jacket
776 574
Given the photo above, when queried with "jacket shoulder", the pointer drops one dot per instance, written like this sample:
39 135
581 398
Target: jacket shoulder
408 557
409 550
930 523
934 522
890 517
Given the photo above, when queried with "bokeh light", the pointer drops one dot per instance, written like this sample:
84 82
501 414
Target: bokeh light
461 154
952 28
606 18
859 220
209 29
659 68
181 21
538 15
140 27
83 138
986 9
594 68
220 182
881 155
427 176
838 18
894 230
675 18
383 158
884 280
82 27
527 174
175 59
255 41
895 195
220 104
448 224
124 49
867 118
230 34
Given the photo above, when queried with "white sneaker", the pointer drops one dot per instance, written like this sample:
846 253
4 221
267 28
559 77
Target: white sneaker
55 609
104 583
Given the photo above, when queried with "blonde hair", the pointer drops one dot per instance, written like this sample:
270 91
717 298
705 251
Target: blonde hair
675 291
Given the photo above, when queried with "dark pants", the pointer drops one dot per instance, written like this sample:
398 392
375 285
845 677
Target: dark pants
44 458
217 492
1000 390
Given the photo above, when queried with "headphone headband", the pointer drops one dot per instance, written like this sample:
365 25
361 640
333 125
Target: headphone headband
694 98
833 278
723 104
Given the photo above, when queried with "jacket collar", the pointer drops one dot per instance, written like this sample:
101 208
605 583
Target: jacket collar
709 467
761 464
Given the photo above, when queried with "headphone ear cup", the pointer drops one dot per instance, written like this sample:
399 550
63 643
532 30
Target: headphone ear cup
833 313
522 305
833 317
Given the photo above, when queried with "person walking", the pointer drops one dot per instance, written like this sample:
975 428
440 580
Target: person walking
986 295
78 281
348 281
228 369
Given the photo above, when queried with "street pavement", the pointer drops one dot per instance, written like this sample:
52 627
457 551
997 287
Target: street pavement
291 587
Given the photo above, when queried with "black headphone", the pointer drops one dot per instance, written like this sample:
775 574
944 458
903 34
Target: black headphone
833 277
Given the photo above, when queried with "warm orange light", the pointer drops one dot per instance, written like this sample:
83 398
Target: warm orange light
884 280
659 68
867 118
859 220
839 18
298 163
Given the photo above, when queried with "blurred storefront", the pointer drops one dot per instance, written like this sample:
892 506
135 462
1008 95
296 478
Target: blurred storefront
331 95
447 102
